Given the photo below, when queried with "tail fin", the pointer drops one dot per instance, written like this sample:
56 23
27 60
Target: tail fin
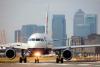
46 24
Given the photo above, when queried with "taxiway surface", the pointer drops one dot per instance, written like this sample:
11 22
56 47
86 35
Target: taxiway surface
42 64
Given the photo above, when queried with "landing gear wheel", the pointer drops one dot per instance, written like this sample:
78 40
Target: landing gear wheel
62 60
25 60
36 60
57 60
21 59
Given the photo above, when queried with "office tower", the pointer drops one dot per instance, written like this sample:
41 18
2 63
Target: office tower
91 19
59 30
82 30
79 23
28 30
79 17
17 35
40 29
2 37
84 24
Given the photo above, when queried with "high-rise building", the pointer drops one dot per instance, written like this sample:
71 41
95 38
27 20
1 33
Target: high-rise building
2 37
59 30
78 23
40 29
28 30
82 30
91 19
84 24
79 17
17 35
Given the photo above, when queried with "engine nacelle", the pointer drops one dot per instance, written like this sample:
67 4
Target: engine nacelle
67 54
10 53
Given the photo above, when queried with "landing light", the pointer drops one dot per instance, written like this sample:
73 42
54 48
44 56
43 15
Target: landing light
37 54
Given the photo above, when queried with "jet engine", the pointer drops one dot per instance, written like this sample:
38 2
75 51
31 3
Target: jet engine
10 53
67 54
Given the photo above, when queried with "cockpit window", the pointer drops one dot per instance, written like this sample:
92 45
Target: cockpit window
38 39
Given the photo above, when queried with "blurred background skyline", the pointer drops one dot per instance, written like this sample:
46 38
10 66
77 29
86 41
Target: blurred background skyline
15 13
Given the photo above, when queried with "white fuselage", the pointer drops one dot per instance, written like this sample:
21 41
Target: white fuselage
38 40
37 44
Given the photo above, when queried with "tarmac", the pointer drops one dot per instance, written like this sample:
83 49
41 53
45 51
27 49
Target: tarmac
52 64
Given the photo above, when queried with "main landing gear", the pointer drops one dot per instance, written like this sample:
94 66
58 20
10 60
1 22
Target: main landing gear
23 58
59 59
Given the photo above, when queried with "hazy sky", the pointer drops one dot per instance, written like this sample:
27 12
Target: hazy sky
15 13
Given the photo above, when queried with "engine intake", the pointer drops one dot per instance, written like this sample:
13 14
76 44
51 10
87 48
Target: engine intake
10 53
67 54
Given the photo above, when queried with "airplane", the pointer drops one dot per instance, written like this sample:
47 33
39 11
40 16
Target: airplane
38 45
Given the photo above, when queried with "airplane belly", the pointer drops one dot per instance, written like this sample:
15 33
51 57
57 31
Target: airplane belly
42 51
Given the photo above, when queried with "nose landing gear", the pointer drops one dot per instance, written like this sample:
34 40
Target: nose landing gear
36 60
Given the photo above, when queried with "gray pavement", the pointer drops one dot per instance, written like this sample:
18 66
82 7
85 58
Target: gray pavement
42 64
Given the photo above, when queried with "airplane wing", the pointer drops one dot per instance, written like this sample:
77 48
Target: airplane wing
2 47
16 45
80 46
20 45
76 46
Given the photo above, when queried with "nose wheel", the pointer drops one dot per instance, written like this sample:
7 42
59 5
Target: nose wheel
37 60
